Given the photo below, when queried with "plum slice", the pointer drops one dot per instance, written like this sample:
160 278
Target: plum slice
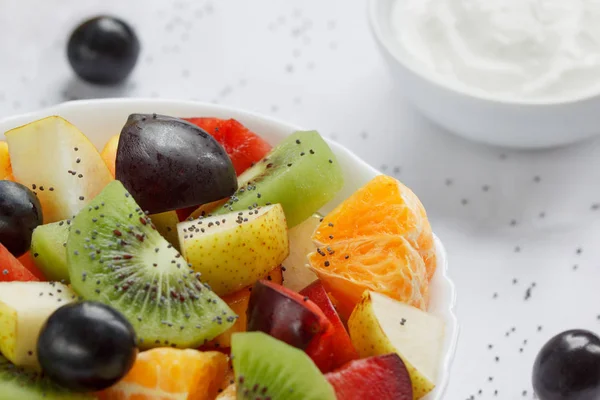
375 378
167 163
342 349
289 317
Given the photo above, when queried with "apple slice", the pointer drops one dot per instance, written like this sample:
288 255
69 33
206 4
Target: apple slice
24 308
381 325
374 378
235 250
297 274
59 163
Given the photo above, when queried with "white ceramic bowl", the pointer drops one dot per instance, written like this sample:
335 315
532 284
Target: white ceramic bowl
520 124
100 119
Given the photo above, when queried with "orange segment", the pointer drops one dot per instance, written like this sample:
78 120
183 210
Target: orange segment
386 264
172 374
5 167
109 153
238 302
382 206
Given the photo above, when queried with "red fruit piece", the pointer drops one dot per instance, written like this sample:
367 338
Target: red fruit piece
11 269
342 349
184 213
374 378
27 261
243 146
291 318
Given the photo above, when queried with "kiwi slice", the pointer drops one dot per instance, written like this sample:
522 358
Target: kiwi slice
26 383
266 368
301 174
48 244
117 257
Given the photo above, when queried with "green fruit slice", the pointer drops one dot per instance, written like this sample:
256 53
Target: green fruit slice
116 256
235 250
301 174
266 368
48 244
25 383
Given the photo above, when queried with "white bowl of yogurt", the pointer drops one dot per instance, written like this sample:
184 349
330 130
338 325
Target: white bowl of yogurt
515 73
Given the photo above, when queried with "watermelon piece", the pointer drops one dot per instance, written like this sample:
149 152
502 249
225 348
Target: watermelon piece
27 260
243 146
375 378
11 269
342 349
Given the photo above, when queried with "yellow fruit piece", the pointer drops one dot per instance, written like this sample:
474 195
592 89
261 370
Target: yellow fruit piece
166 225
229 393
109 153
380 325
57 161
23 312
5 167
172 374
384 206
235 250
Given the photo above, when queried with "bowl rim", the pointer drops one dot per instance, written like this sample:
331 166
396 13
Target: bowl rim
388 44
451 320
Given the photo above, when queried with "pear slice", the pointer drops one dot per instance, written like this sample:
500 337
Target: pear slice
381 325
297 274
235 250
57 161
24 309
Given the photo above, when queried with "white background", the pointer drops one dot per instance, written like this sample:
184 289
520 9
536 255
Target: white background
509 219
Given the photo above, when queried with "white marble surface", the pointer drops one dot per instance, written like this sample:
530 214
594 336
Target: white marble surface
510 220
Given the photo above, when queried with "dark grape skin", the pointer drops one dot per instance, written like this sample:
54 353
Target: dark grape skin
103 50
167 163
87 346
20 214
568 367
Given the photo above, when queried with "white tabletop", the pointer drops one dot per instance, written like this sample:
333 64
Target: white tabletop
521 228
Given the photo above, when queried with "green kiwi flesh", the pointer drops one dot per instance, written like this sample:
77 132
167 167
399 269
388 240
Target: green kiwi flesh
116 256
301 174
266 368
48 244
18 383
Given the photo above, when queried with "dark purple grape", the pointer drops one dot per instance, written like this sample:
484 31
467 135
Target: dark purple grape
103 50
87 346
20 214
167 163
568 367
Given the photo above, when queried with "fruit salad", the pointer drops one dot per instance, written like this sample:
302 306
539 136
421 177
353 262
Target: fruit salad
188 260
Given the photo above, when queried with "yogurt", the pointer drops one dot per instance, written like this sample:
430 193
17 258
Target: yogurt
533 49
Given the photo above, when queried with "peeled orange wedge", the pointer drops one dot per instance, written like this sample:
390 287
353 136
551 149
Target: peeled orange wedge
384 206
172 374
378 239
